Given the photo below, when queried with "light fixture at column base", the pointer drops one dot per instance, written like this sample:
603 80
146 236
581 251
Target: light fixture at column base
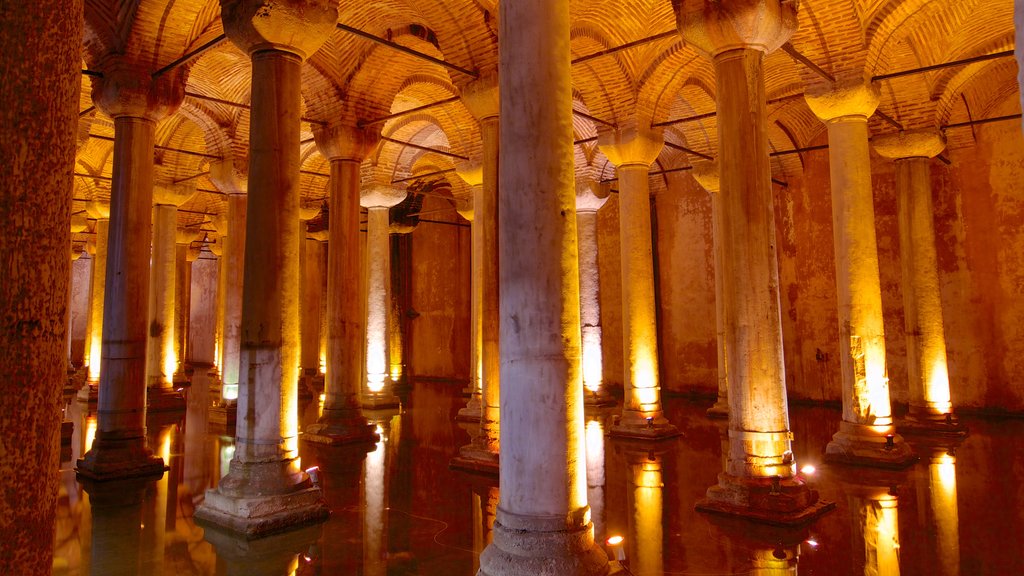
926 424
774 501
119 459
861 445
524 552
253 517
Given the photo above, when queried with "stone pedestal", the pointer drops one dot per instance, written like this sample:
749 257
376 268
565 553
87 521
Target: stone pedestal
760 481
633 148
931 406
542 524
867 416
706 174
342 420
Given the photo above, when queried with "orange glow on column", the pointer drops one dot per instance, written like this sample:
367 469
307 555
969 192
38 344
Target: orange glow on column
90 432
936 387
592 360
876 387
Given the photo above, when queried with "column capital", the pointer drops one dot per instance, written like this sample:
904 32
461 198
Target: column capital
319 235
590 195
481 96
229 176
297 26
308 210
192 254
471 172
217 248
220 224
187 235
173 194
343 142
98 209
633 143
707 175
378 196
926 143
465 208
79 223
127 89
718 27
854 98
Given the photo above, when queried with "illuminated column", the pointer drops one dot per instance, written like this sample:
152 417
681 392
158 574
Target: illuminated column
706 174
945 521
930 407
217 249
135 102
590 197
485 506
342 419
867 416
542 525
184 256
94 335
232 264
737 35
633 149
116 527
378 200
78 224
273 555
465 207
375 506
161 357
596 475
877 521
265 489
645 506
482 99
310 310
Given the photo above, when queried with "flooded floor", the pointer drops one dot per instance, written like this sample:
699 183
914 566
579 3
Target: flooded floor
400 510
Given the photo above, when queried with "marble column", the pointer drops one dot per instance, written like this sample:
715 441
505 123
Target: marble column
136 103
706 174
203 310
867 416
161 357
760 481
632 148
184 255
265 489
542 525
310 310
590 197
931 407
100 211
342 420
217 249
473 176
78 224
378 200
233 261
40 55
943 512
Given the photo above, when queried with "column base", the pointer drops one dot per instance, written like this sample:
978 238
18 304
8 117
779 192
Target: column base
336 430
600 399
67 429
223 415
379 401
523 549
475 459
862 445
655 428
778 502
922 423
720 409
471 411
181 380
89 392
310 386
119 459
159 399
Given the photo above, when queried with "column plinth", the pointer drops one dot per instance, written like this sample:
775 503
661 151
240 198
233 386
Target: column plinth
265 490
342 420
706 174
633 149
866 435
760 481
931 407
136 102
542 524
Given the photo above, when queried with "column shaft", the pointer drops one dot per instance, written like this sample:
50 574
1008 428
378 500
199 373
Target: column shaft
378 297
232 262
486 212
721 406
182 303
311 305
94 335
161 360
590 301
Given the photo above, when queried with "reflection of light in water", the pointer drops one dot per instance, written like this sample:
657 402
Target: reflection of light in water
320 406
646 536
595 474
373 519
881 536
293 566
90 432
942 482
774 561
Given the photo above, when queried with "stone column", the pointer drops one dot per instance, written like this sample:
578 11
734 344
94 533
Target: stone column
633 148
706 174
136 103
473 176
78 224
232 263
310 310
760 480
590 197
265 489
542 525
944 521
217 249
94 334
931 408
184 256
342 419
867 416
40 55
203 311
378 200
646 506
161 357
876 525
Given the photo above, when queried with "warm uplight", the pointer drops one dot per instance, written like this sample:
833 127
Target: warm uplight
320 405
230 392
376 362
94 358
170 359
808 470
592 363
812 542
227 452
936 388
90 432
323 363
615 540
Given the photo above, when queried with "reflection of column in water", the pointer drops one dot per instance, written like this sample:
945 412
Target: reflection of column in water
277 555
778 561
645 503
374 512
196 465
154 509
942 500
595 476
485 507
880 526
116 542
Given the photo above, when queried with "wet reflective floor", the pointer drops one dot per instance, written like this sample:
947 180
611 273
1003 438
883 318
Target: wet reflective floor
400 510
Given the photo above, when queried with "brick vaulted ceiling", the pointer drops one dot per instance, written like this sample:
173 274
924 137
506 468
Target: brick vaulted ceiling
352 79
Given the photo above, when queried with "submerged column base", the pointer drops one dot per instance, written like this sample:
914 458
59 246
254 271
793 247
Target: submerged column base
924 422
527 546
863 445
600 398
89 392
338 427
774 501
116 459
379 401
475 457
159 399
720 409
223 415
471 411
257 499
634 425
